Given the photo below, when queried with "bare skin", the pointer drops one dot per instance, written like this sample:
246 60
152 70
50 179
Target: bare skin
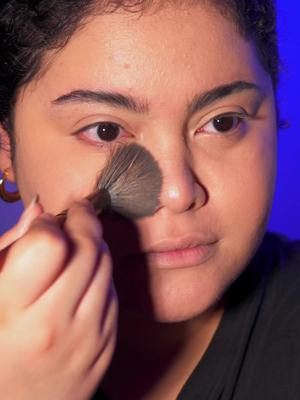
217 189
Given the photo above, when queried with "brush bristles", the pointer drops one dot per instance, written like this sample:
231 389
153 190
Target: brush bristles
130 184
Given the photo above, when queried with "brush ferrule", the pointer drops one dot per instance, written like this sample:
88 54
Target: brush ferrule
100 200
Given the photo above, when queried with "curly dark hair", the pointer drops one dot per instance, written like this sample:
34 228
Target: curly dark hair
29 28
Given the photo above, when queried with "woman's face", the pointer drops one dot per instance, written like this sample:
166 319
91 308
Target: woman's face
180 68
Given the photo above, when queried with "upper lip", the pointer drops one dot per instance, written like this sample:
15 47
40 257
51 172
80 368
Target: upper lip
179 243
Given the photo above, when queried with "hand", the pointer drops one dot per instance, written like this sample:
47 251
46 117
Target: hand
58 308
22 226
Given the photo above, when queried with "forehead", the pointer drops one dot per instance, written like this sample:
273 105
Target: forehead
177 46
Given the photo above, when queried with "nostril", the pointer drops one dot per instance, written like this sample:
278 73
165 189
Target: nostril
201 197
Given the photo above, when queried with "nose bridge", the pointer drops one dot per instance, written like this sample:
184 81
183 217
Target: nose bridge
181 189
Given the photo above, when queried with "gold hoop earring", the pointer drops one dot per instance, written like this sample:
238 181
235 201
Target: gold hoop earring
9 197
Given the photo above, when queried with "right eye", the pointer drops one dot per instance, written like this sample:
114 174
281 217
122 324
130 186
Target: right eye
102 132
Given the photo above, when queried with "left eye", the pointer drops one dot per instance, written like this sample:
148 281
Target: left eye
222 124
102 132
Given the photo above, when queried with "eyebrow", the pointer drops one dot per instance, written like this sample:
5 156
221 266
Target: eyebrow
130 103
220 92
113 99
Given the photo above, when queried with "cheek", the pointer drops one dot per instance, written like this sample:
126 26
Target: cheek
248 186
57 169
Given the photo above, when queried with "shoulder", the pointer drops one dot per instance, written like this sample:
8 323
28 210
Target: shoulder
279 317
273 352
273 273
271 285
289 250
284 268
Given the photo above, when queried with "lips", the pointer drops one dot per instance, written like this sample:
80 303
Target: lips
180 243
188 251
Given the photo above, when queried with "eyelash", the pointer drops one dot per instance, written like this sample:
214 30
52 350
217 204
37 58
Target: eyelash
238 117
116 128
105 125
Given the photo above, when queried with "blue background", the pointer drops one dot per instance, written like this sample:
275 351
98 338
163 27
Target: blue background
285 216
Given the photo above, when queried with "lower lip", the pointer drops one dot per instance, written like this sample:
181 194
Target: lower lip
181 258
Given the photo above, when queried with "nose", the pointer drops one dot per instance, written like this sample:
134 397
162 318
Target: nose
181 190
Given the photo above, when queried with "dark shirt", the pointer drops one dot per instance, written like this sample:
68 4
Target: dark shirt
255 352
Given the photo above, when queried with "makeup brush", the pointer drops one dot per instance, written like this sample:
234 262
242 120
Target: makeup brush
129 184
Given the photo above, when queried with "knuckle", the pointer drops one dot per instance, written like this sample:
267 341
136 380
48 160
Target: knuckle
45 341
89 244
42 340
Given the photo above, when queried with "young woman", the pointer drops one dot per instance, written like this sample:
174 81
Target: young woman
205 308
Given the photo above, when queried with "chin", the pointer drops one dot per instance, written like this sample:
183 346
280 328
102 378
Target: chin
167 311
172 297
181 294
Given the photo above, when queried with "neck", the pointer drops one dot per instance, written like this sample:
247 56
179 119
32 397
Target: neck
153 360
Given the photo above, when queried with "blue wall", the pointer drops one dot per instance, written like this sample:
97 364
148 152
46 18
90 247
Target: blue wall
285 215
286 210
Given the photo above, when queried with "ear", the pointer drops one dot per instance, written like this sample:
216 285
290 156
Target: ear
5 153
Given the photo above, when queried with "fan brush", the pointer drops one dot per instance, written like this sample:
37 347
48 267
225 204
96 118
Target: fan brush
129 184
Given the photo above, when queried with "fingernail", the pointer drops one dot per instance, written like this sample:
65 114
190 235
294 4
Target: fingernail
34 201
30 206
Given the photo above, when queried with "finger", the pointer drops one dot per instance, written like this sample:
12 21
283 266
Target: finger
33 262
102 360
99 295
88 351
85 234
28 216
98 366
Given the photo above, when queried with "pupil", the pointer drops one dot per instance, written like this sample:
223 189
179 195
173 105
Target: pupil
108 132
224 124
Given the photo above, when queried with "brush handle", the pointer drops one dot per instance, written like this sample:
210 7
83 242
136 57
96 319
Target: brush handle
100 200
